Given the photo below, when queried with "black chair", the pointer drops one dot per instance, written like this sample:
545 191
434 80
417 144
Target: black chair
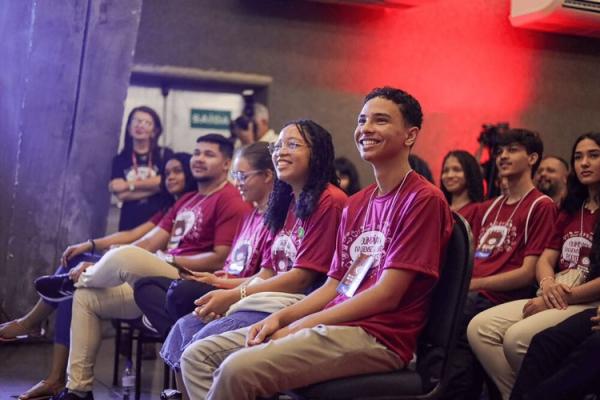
435 344
138 333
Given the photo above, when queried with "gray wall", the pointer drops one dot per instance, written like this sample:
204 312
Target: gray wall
463 60
64 74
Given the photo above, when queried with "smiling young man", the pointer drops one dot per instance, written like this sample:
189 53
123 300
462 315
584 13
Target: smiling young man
196 234
513 233
367 316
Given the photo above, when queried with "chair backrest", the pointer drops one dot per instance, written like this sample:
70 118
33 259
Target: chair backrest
438 339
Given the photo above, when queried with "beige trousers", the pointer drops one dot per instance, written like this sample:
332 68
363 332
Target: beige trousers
221 367
125 264
90 307
500 337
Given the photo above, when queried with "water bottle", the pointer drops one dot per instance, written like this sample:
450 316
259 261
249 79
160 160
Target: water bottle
128 380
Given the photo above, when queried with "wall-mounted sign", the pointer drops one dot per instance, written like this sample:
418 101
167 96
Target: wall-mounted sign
209 119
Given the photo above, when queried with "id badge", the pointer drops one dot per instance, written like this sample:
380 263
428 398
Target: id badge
355 275
493 238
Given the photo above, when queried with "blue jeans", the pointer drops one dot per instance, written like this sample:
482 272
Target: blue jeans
190 329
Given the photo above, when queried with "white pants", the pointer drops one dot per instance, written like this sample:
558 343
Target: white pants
125 264
500 337
311 355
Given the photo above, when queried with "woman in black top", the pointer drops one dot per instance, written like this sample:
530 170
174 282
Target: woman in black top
137 169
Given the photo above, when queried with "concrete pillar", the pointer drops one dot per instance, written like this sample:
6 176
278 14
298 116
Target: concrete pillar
64 72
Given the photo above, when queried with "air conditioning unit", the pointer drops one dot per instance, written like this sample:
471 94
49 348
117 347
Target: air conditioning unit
382 3
575 17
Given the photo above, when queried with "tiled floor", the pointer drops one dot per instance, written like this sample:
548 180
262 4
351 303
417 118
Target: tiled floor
24 364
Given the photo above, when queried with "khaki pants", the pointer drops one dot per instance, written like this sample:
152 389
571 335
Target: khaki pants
90 307
125 264
500 337
211 370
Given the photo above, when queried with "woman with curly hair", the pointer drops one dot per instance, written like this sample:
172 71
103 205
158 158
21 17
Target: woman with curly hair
303 214
462 183
567 273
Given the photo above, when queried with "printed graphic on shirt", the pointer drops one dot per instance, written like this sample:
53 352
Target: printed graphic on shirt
576 252
240 256
283 253
143 172
184 222
498 237
371 243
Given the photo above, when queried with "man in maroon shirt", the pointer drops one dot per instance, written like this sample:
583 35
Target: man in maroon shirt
367 316
513 233
195 234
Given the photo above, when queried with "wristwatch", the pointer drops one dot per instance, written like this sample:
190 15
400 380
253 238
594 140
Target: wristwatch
131 187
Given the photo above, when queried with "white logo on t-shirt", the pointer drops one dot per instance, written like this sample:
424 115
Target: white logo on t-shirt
240 256
283 253
575 248
184 222
143 172
370 243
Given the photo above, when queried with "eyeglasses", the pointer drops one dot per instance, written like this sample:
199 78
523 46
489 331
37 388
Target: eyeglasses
291 146
241 177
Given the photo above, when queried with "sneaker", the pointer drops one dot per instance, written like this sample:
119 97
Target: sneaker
170 394
148 325
66 395
55 288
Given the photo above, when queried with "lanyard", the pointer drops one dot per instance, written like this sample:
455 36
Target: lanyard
135 163
368 214
514 211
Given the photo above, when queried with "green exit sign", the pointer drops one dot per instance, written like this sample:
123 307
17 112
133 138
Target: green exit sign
209 119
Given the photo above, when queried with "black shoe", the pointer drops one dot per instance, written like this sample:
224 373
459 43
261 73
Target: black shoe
55 288
66 395
170 394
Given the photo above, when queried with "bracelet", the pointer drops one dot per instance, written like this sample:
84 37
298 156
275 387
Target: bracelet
542 281
91 241
243 291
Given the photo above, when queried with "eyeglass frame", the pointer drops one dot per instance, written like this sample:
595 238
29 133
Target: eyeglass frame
291 146
235 175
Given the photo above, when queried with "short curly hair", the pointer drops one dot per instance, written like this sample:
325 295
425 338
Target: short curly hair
408 105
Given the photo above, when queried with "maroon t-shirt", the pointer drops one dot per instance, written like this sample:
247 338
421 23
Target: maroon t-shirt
573 236
471 213
197 223
309 244
251 246
510 232
409 231
157 217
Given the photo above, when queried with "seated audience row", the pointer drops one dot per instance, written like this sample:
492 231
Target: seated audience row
251 299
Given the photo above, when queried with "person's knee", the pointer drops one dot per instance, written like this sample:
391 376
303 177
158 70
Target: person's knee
236 366
122 255
180 298
482 329
141 288
516 343
84 297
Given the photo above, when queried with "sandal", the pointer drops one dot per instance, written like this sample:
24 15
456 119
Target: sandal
42 390
14 330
